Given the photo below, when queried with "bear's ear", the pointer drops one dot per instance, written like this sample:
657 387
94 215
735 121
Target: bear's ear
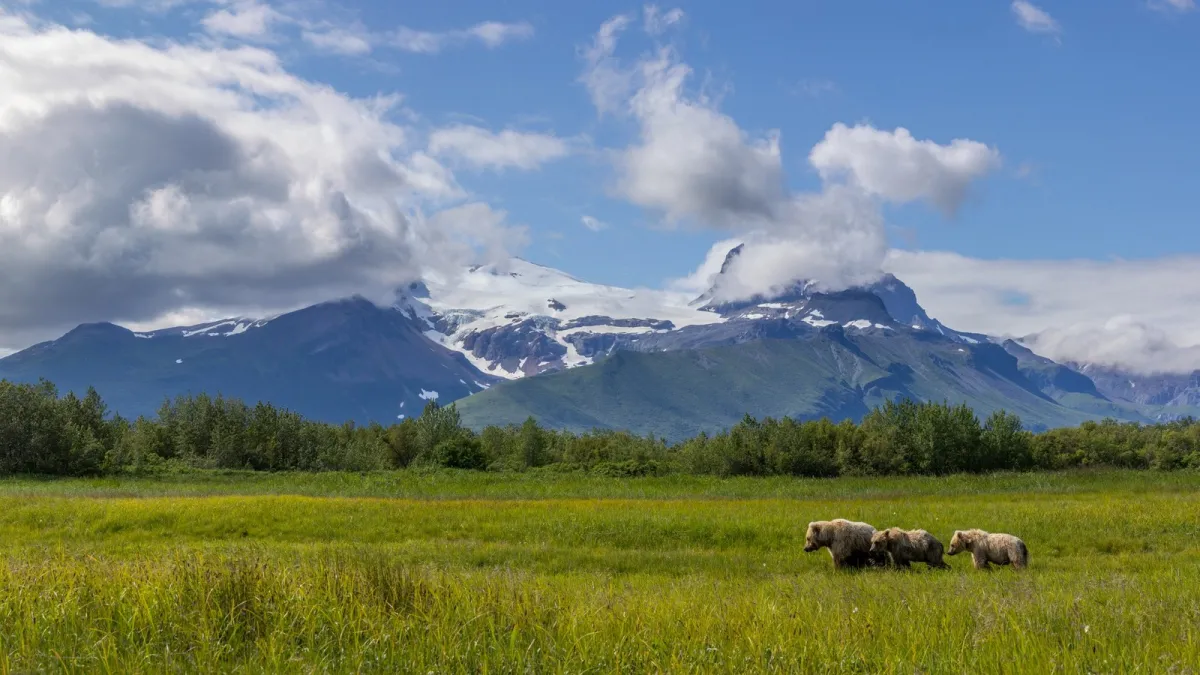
814 527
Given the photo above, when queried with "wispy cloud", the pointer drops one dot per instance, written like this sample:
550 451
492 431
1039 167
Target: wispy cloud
1172 5
814 88
490 34
481 148
656 22
1034 19
593 224
347 41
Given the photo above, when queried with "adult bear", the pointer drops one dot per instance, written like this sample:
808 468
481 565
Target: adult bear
849 543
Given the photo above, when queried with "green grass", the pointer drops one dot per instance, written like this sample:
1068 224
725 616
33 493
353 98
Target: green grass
458 572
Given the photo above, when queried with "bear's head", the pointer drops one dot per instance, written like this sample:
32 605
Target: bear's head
879 541
814 539
958 543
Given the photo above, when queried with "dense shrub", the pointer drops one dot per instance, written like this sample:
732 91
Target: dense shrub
43 432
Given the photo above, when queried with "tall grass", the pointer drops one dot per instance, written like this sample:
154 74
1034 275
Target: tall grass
292 583
353 611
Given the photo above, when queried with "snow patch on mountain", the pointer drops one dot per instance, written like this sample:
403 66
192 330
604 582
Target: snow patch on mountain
491 314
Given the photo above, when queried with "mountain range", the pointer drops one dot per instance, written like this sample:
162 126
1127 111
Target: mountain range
517 339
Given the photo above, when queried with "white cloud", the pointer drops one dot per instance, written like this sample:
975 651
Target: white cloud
1123 342
142 180
898 167
484 149
339 40
655 21
607 84
491 34
1138 314
245 19
692 161
1033 18
593 224
694 164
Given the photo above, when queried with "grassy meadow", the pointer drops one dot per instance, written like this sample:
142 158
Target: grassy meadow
486 573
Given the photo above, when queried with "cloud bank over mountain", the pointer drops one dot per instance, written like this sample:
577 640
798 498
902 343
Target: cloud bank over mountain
142 179
1133 314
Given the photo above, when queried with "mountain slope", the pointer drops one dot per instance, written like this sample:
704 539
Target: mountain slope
336 361
831 372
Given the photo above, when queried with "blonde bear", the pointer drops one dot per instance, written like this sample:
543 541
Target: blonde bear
993 548
849 543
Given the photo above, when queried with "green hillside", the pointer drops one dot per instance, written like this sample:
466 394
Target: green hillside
677 394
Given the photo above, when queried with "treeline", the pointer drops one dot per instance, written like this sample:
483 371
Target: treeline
42 432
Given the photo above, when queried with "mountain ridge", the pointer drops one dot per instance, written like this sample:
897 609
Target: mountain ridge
448 339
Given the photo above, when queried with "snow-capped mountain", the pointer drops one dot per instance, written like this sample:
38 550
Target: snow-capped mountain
522 318
450 338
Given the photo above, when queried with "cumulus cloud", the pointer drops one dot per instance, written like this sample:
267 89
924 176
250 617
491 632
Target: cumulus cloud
694 164
143 180
1129 313
900 168
491 34
1035 19
481 148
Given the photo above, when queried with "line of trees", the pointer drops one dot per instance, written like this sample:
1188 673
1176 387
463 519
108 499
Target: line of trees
42 432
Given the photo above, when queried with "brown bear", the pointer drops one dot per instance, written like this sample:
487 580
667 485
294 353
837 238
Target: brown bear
909 546
994 548
849 543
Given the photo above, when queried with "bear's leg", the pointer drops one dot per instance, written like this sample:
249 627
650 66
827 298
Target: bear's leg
980 560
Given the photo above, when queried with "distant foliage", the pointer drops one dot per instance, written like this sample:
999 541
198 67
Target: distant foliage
42 432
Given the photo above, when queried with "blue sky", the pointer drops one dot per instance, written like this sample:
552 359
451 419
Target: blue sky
1088 108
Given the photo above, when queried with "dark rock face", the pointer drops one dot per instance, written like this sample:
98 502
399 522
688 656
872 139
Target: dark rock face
583 321
512 344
